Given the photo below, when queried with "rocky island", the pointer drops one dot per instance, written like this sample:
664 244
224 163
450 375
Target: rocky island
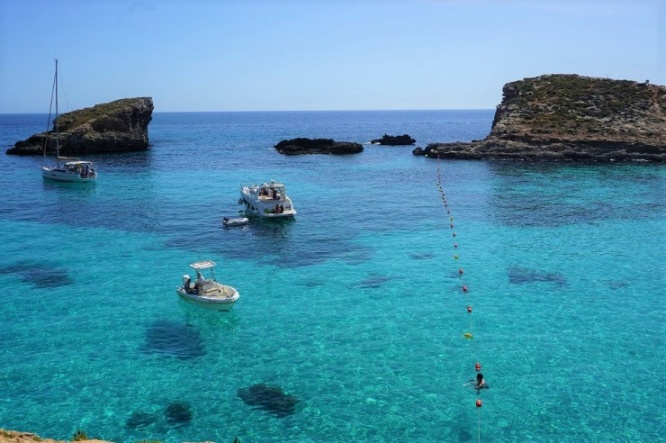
394 140
570 118
298 146
118 126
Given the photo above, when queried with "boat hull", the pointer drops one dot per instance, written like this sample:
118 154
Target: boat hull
266 206
222 299
64 175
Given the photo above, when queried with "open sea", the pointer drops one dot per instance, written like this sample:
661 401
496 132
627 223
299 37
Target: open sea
351 321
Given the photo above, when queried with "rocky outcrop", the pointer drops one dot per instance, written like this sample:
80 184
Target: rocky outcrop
118 126
570 118
394 140
27 437
298 146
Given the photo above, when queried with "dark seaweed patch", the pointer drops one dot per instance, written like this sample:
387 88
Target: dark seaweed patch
140 419
376 281
519 276
617 284
41 275
269 398
178 414
422 256
170 338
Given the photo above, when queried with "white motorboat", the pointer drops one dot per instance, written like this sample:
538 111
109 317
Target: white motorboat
235 221
267 200
71 170
205 292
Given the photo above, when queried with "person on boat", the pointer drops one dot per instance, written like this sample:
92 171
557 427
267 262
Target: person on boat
186 285
200 282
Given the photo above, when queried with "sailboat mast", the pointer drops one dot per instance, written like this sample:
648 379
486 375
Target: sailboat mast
56 115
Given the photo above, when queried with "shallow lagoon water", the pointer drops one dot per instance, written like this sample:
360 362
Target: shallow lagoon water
354 309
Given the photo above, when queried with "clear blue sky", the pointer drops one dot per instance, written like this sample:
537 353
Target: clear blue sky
247 55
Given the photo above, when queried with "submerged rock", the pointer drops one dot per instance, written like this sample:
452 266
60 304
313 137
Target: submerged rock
518 275
269 398
118 126
178 414
140 419
175 339
41 275
299 146
570 118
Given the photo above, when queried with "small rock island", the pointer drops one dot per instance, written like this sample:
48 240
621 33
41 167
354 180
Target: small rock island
117 126
570 118
299 146
394 140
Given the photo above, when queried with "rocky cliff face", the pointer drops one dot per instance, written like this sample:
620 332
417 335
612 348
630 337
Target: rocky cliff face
118 126
570 117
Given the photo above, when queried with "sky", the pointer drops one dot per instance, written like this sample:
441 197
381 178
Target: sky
309 55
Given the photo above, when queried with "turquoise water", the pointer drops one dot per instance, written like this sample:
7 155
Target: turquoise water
355 309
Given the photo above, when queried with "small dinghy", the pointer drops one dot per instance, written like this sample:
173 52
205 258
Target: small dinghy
236 221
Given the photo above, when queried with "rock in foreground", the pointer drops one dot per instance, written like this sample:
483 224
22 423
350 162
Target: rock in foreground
27 437
118 126
571 118
300 146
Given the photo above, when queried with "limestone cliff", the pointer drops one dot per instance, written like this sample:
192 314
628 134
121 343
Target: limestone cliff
118 126
570 117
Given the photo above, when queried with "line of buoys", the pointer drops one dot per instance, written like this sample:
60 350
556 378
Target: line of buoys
467 335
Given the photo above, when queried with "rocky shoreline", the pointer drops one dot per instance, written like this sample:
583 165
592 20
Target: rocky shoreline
118 126
570 118
27 437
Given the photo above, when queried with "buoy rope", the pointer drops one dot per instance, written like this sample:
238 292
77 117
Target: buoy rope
465 290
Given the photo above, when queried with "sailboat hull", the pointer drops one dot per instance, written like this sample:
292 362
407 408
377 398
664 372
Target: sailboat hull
66 175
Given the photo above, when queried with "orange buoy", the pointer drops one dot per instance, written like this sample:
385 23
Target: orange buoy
479 403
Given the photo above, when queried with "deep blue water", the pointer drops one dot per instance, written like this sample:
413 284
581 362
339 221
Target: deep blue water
351 318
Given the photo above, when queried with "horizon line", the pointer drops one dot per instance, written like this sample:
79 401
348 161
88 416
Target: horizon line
284 110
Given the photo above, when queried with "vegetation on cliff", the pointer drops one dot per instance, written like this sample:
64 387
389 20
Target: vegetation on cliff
571 117
117 126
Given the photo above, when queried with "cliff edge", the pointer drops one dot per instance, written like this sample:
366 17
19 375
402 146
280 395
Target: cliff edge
570 118
118 126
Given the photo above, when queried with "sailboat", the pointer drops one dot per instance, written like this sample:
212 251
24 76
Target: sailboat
65 169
